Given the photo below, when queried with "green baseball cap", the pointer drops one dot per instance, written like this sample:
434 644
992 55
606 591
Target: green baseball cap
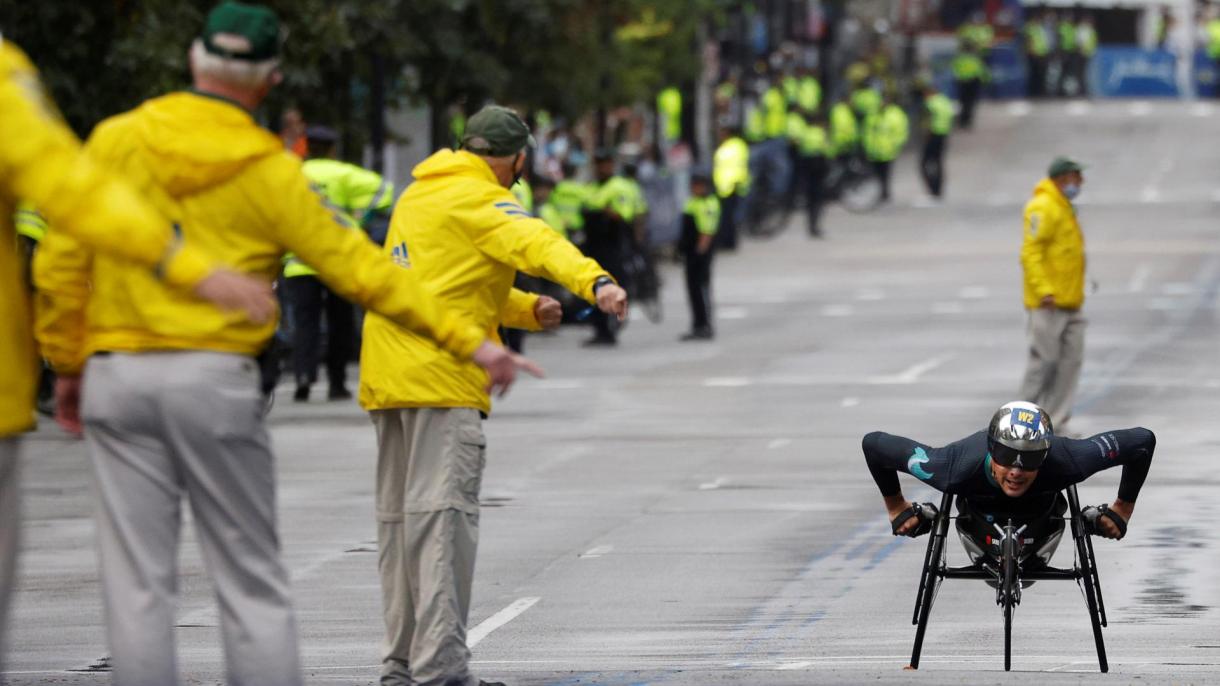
1063 165
237 31
496 131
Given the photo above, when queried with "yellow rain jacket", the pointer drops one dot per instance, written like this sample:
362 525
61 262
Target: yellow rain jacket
1052 254
230 189
41 163
464 236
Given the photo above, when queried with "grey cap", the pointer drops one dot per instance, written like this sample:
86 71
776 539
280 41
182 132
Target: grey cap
1063 165
496 131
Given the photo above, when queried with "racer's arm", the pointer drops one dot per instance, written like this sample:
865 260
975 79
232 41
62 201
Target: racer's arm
887 454
41 162
1038 230
353 267
1131 448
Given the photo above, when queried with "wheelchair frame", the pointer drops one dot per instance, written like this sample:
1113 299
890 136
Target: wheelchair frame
1008 576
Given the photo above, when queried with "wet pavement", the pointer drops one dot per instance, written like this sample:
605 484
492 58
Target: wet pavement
701 514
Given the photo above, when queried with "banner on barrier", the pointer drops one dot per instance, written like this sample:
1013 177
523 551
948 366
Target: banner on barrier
1134 72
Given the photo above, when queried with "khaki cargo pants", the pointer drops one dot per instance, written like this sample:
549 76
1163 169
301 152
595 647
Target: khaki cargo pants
429 470
1056 354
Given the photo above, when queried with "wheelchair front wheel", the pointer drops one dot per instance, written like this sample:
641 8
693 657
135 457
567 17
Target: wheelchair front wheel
1010 587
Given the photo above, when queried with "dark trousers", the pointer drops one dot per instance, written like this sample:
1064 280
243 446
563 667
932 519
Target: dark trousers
604 241
726 233
309 298
1036 72
815 191
699 289
882 167
968 94
932 163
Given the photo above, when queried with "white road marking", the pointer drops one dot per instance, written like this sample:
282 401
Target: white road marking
1178 288
1140 108
713 485
600 550
1019 108
911 374
1150 194
1140 278
849 402
838 311
974 292
499 619
726 313
947 307
1202 109
870 294
1079 109
794 665
726 382
777 443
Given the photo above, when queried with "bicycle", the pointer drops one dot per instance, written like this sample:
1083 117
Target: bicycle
854 183
1010 565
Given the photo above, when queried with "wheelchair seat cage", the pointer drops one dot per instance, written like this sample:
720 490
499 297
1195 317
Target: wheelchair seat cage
1008 570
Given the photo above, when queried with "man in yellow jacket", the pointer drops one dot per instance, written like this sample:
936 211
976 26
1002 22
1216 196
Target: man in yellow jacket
1053 259
171 393
41 164
460 231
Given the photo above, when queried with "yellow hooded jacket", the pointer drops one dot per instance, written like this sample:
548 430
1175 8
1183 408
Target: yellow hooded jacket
1052 254
230 189
465 236
41 163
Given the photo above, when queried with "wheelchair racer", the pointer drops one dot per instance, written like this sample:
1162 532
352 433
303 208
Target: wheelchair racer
1017 468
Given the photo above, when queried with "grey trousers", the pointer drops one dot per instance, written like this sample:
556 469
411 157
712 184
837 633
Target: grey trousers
160 426
429 470
1056 353
10 535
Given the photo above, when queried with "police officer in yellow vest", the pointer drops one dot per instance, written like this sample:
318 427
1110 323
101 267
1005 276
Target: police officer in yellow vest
814 149
844 130
1086 46
731 174
669 114
969 74
1213 47
938 122
700 221
1068 53
884 135
1037 51
610 220
359 195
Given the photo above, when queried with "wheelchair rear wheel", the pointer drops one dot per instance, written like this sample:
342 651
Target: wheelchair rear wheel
1086 567
929 581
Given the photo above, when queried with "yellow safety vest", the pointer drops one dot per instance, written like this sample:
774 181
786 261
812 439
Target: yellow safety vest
731 167
940 114
705 212
669 105
844 131
813 141
775 113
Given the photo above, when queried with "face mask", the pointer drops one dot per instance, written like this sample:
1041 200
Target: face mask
1071 190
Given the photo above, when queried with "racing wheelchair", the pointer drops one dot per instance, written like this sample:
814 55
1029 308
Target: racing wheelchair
1010 553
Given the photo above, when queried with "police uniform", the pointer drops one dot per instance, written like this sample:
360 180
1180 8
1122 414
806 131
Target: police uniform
609 219
700 217
938 108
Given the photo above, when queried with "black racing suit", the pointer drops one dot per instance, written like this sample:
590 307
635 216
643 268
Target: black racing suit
963 468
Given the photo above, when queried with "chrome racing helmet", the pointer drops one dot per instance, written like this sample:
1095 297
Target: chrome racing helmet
1019 435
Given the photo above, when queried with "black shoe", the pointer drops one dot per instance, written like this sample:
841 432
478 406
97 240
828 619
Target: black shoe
301 395
339 393
697 335
600 342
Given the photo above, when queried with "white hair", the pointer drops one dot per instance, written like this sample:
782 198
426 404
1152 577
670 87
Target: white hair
236 73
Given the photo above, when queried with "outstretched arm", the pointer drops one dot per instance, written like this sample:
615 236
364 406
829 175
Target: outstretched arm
1131 448
887 454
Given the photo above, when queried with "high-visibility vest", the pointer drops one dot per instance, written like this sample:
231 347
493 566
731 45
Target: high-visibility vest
1037 40
705 212
940 113
619 195
796 128
808 94
731 167
755 129
569 198
790 84
352 192
885 133
553 218
1086 38
1213 39
29 222
669 106
844 130
457 128
865 100
814 142
775 113
524 194
1067 36
968 66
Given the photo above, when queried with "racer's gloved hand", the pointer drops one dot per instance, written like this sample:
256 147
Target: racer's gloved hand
1092 521
925 513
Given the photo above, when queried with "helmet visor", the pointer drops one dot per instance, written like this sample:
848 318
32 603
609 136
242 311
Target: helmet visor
1011 457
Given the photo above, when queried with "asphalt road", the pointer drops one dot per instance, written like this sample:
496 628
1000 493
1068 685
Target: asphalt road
701 513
